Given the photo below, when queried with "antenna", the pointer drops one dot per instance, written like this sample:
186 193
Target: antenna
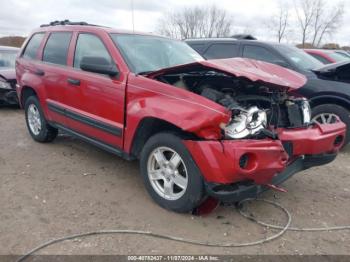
132 16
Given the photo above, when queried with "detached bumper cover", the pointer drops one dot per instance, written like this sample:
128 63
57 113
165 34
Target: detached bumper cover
262 162
240 191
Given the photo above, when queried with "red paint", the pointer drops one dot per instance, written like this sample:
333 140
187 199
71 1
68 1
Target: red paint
322 53
314 141
123 102
253 70
219 161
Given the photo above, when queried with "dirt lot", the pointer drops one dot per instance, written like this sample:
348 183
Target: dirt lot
51 190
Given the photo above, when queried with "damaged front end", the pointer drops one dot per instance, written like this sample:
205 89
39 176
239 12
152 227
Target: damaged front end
8 94
270 135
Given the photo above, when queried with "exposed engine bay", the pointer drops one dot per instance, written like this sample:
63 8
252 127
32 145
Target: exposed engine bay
257 109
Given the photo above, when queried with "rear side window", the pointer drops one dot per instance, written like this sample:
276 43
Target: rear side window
56 49
321 59
89 45
260 53
33 45
219 51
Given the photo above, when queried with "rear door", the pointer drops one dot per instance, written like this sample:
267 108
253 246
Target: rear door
54 69
95 102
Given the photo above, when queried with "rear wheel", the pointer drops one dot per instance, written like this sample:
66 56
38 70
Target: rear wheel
170 175
37 125
329 113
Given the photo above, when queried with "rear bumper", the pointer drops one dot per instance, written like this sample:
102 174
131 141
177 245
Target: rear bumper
240 191
230 161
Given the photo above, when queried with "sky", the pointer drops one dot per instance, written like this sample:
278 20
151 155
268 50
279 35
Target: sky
19 17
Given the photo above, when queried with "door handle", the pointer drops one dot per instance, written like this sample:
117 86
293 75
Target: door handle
39 72
74 82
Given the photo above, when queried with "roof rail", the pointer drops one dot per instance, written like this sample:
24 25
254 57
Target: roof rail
65 22
244 37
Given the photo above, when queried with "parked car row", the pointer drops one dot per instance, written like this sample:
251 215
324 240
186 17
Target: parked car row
329 56
229 128
327 88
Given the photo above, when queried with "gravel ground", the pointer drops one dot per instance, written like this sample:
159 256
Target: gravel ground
68 186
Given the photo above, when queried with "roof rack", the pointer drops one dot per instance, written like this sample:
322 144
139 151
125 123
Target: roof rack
65 22
244 37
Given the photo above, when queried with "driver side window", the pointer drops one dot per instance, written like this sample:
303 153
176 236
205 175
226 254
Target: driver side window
89 45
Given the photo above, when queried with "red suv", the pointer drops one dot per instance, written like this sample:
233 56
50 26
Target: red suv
229 128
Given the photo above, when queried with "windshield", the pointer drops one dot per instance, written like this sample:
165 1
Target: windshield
299 58
151 53
338 57
7 59
346 55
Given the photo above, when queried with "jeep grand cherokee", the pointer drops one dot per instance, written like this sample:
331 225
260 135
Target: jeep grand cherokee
224 128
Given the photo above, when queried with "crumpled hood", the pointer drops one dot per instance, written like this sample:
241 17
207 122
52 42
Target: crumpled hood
255 71
8 73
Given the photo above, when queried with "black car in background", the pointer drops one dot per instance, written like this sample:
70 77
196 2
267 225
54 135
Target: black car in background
8 95
328 87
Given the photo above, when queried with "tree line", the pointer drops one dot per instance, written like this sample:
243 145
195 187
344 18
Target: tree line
310 21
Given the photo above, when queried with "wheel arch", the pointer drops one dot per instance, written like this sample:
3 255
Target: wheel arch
26 92
150 126
328 99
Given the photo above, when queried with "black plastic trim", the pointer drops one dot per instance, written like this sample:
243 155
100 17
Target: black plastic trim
107 147
86 120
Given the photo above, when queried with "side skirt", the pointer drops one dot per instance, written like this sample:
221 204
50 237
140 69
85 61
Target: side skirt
109 148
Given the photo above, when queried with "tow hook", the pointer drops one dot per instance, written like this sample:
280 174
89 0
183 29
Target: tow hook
277 188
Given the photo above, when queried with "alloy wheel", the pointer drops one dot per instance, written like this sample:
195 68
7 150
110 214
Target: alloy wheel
325 118
167 173
34 119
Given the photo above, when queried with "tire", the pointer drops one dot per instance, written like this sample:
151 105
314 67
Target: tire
45 133
185 196
332 109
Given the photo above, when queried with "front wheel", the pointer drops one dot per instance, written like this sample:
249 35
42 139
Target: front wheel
329 113
170 175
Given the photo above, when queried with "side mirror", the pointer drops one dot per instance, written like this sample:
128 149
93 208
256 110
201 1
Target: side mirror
98 65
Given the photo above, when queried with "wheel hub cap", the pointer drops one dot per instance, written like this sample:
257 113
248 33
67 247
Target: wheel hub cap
34 119
167 173
326 118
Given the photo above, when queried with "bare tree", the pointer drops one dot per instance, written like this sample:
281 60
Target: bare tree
305 10
196 22
279 23
317 19
327 23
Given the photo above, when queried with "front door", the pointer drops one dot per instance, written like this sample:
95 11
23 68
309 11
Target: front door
95 102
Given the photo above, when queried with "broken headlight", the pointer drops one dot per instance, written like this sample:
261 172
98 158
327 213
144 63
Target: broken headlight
5 85
306 111
246 123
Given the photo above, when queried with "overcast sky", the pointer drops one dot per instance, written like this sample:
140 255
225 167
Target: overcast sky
19 17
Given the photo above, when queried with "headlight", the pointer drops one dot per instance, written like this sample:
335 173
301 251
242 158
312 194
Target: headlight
306 111
248 122
5 85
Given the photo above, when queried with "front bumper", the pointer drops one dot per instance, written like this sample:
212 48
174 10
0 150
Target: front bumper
8 97
240 191
260 162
